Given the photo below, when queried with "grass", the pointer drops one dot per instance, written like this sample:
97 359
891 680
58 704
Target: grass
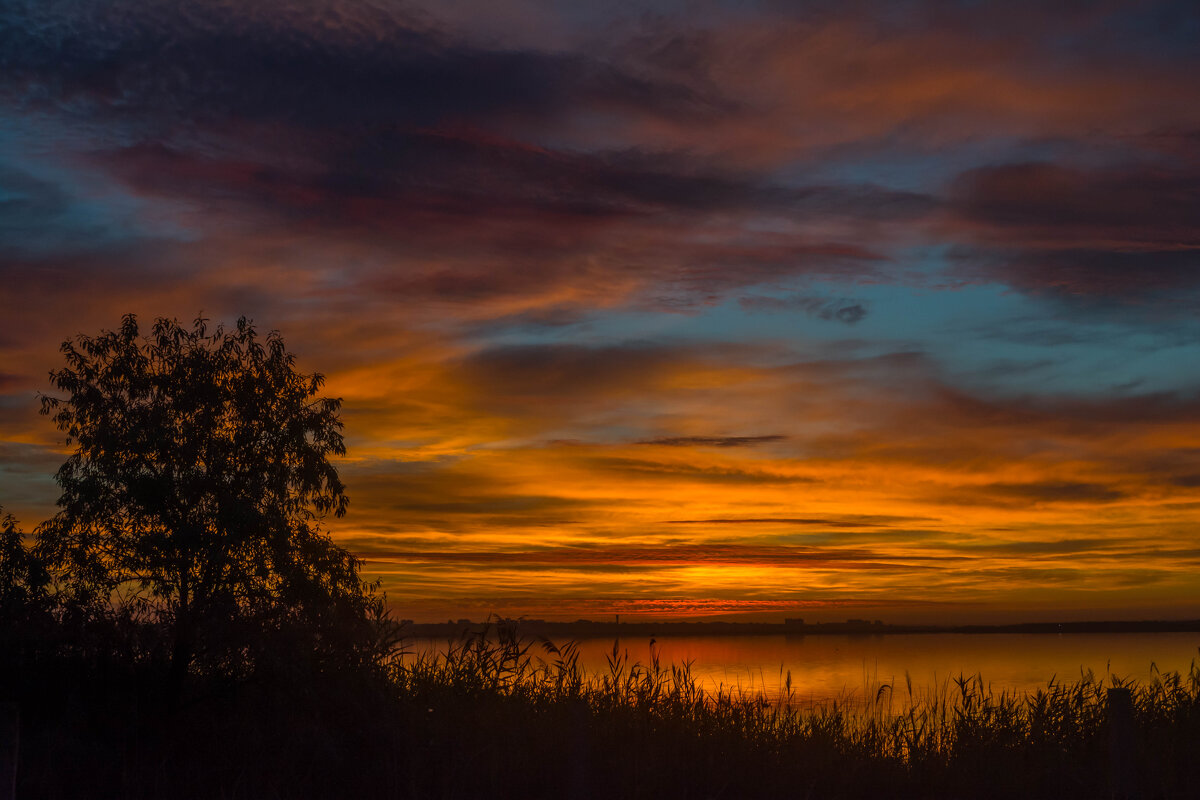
496 715
656 733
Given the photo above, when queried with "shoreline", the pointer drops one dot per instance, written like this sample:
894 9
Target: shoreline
584 629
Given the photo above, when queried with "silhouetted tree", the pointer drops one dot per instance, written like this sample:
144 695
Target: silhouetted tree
25 621
200 472
23 578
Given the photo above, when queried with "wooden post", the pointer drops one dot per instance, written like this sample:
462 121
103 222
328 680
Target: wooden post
1122 747
10 734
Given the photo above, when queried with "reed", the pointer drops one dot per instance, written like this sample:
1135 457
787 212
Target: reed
494 714
654 726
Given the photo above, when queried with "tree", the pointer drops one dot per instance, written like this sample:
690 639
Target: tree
25 620
200 473
23 578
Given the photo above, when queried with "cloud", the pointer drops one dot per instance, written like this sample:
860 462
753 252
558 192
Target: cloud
524 377
26 472
1051 548
322 65
11 381
841 310
1132 277
643 469
652 557
673 607
30 208
499 226
511 247
1130 205
714 441
459 495
1123 232
1038 492
820 522
1191 481
341 133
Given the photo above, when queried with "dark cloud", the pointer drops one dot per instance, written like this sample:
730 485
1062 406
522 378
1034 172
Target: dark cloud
1150 205
1186 481
478 195
1053 547
841 521
776 521
850 314
323 65
639 469
10 381
841 310
1135 277
651 557
710 271
457 171
1122 232
1039 492
451 497
1032 576
1068 414
533 321
338 126
525 506
714 441
288 106
552 373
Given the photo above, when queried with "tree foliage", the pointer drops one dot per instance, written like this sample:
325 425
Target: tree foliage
23 579
200 473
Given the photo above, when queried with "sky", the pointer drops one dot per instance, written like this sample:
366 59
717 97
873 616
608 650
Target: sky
731 310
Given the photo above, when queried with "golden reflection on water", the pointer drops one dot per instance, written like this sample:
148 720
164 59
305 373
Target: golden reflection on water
829 667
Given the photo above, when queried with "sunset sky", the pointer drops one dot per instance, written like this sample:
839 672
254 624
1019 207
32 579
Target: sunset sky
825 309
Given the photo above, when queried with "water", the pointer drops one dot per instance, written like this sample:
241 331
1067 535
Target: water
850 667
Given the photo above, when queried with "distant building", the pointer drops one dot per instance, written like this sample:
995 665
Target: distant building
794 622
464 622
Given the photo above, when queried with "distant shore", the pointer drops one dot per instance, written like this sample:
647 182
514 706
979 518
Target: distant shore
589 629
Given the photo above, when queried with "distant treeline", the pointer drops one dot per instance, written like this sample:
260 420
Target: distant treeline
589 629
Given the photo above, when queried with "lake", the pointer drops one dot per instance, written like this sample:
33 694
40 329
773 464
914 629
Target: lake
826 667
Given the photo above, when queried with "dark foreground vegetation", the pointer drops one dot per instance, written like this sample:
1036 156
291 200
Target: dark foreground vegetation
183 628
497 716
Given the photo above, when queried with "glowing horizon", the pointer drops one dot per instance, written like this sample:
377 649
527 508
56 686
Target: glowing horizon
689 312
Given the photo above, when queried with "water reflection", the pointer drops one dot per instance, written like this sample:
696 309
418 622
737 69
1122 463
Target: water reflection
831 666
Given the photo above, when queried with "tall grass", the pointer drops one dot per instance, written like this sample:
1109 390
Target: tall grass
496 715
961 739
